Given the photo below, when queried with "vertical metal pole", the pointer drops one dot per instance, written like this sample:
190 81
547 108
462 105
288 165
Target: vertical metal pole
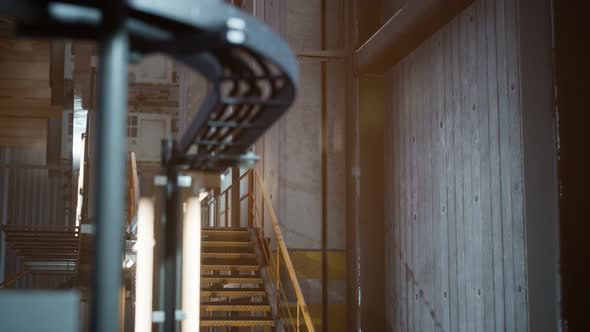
262 204
4 173
110 140
207 223
324 111
173 235
278 276
352 167
251 198
226 195
235 197
159 250
216 201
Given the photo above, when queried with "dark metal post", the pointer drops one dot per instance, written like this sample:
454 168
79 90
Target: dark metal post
226 206
173 233
110 165
235 197
324 140
251 194
216 200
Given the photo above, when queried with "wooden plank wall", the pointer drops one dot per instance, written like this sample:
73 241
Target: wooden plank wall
31 92
454 219
25 94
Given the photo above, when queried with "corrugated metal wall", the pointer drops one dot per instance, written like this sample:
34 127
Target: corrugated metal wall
454 181
31 194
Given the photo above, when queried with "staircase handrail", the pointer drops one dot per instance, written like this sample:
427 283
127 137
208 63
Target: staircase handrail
132 188
11 280
281 251
276 256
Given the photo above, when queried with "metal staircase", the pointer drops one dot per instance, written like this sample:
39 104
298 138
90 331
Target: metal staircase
248 279
232 287
43 250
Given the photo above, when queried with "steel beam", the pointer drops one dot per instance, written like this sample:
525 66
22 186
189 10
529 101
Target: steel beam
404 31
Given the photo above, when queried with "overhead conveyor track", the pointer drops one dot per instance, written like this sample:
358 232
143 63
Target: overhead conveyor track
253 73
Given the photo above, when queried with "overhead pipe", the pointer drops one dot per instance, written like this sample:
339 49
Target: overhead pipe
404 32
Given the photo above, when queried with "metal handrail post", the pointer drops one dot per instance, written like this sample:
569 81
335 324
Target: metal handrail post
217 213
251 199
173 238
226 195
111 158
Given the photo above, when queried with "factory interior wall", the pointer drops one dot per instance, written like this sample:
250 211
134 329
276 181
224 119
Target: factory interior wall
470 169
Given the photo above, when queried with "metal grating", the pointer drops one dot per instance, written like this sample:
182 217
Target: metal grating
44 249
33 197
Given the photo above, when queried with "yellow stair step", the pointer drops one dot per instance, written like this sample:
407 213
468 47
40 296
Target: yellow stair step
229 267
232 292
224 230
232 279
216 307
237 255
236 322
226 244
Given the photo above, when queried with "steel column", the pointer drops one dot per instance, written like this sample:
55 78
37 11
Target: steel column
172 259
324 168
353 173
111 158
235 197
4 174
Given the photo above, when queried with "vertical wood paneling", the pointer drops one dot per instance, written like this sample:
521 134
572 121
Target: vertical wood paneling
468 170
484 149
458 139
389 201
406 254
474 199
456 179
515 116
506 218
495 185
392 209
421 220
450 174
430 281
437 219
397 173
441 234
414 263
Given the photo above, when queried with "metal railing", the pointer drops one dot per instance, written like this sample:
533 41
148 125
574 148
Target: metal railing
40 230
132 188
218 208
13 279
290 309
